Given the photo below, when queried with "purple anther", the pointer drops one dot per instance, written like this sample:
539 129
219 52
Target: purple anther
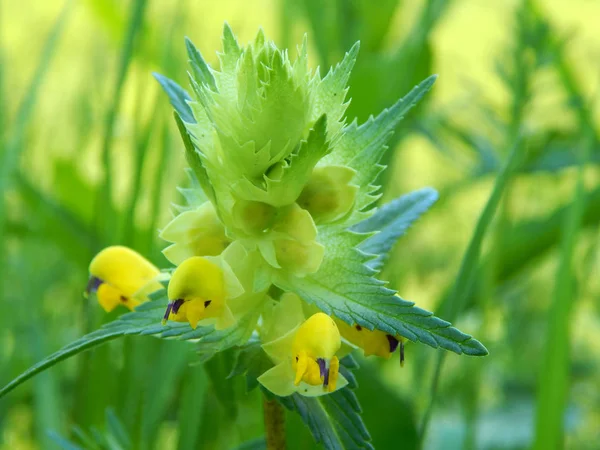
177 304
393 342
93 284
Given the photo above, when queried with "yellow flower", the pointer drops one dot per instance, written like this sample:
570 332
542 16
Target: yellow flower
306 360
121 276
199 289
375 342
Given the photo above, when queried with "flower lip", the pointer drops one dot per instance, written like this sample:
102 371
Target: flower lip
393 342
176 305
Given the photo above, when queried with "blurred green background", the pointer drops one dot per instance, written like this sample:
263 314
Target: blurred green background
77 98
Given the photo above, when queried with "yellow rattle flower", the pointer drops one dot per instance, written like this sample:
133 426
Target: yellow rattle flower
198 290
121 276
306 359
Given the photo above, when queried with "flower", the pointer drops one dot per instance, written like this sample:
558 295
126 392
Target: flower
199 289
120 275
305 359
372 342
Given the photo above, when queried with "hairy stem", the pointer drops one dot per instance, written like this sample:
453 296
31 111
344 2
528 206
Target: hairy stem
274 424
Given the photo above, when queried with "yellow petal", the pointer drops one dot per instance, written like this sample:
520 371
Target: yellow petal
334 370
194 311
124 269
318 336
301 363
195 278
109 297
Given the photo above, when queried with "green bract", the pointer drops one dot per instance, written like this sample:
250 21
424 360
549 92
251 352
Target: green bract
295 184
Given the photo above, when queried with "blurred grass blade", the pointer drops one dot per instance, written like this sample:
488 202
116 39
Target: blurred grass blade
57 223
104 205
141 150
553 379
464 281
192 404
14 146
171 362
62 443
116 430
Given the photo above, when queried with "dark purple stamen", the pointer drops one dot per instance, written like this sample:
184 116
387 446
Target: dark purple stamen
322 366
393 342
168 311
401 353
177 304
323 370
93 284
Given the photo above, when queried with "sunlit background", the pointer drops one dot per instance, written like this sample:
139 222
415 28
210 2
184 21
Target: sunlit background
76 91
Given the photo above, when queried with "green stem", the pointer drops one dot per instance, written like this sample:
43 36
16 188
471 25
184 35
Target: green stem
274 424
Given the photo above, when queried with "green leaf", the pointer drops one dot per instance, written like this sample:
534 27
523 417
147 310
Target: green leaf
177 96
345 287
391 221
146 321
334 419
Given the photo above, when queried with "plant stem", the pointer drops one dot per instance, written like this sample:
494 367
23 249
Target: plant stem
274 424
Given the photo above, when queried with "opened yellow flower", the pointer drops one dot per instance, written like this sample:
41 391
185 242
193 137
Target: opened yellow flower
306 360
372 342
199 289
121 276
